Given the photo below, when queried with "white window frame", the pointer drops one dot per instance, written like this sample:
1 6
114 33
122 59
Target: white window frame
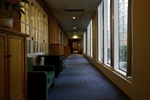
116 39
35 23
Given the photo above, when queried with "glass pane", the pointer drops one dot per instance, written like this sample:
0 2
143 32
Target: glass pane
46 47
41 25
33 22
23 28
41 36
100 32
37 48
108 34
29 46
46 38
33 33
27 6
22 4
36 22
46 19
32 7
46 29
41 47
123 5
36 35
36 43
34 47
36 25
36 11
23 15
27 17
43 28
27 29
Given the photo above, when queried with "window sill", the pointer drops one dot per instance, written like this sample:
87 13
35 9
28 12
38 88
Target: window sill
123 75
121 72
117 72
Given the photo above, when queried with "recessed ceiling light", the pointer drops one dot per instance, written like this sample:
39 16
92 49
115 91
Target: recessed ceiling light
74 27
73 17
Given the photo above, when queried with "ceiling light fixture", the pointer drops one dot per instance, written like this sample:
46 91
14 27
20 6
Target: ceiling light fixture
75 36
74 27
73 17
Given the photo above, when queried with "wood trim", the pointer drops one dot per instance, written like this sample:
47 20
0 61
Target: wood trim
12 32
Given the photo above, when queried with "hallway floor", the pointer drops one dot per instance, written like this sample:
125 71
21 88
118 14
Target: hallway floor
80 80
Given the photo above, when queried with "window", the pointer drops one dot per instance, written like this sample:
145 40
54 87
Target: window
84 42
35 23
91 39
120 31
115 35
100 32
107 32
89 42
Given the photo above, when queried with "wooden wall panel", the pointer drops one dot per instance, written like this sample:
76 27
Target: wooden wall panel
16 69
67 51
54 48
2 68
53 30
65 40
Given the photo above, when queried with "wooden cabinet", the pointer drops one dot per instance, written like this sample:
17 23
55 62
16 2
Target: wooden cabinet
13 72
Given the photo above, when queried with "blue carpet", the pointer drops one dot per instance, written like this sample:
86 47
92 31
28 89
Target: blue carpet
81 81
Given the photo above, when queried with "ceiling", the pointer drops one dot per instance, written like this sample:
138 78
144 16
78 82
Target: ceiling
65 10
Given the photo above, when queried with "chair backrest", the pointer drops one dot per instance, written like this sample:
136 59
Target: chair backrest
29 61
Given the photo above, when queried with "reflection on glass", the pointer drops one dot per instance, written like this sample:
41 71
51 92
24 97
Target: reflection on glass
46 47
34 46
35 23
41 47
28 46
37 46
27 17
23 28
41 36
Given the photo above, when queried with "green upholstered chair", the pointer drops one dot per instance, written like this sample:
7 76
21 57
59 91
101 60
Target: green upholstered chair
40 79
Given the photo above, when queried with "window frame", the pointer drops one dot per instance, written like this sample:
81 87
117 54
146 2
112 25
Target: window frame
35 23
89 38
114 39
84 43
101 32
107 55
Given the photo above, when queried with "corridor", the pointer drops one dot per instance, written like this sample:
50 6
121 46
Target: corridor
80 80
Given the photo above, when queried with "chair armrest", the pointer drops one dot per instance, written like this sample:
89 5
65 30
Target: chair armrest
37 85
43 68
37 75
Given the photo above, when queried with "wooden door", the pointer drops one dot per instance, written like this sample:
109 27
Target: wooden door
3 43
16 68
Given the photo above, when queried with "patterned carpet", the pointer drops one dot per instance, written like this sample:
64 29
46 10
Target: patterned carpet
81 81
